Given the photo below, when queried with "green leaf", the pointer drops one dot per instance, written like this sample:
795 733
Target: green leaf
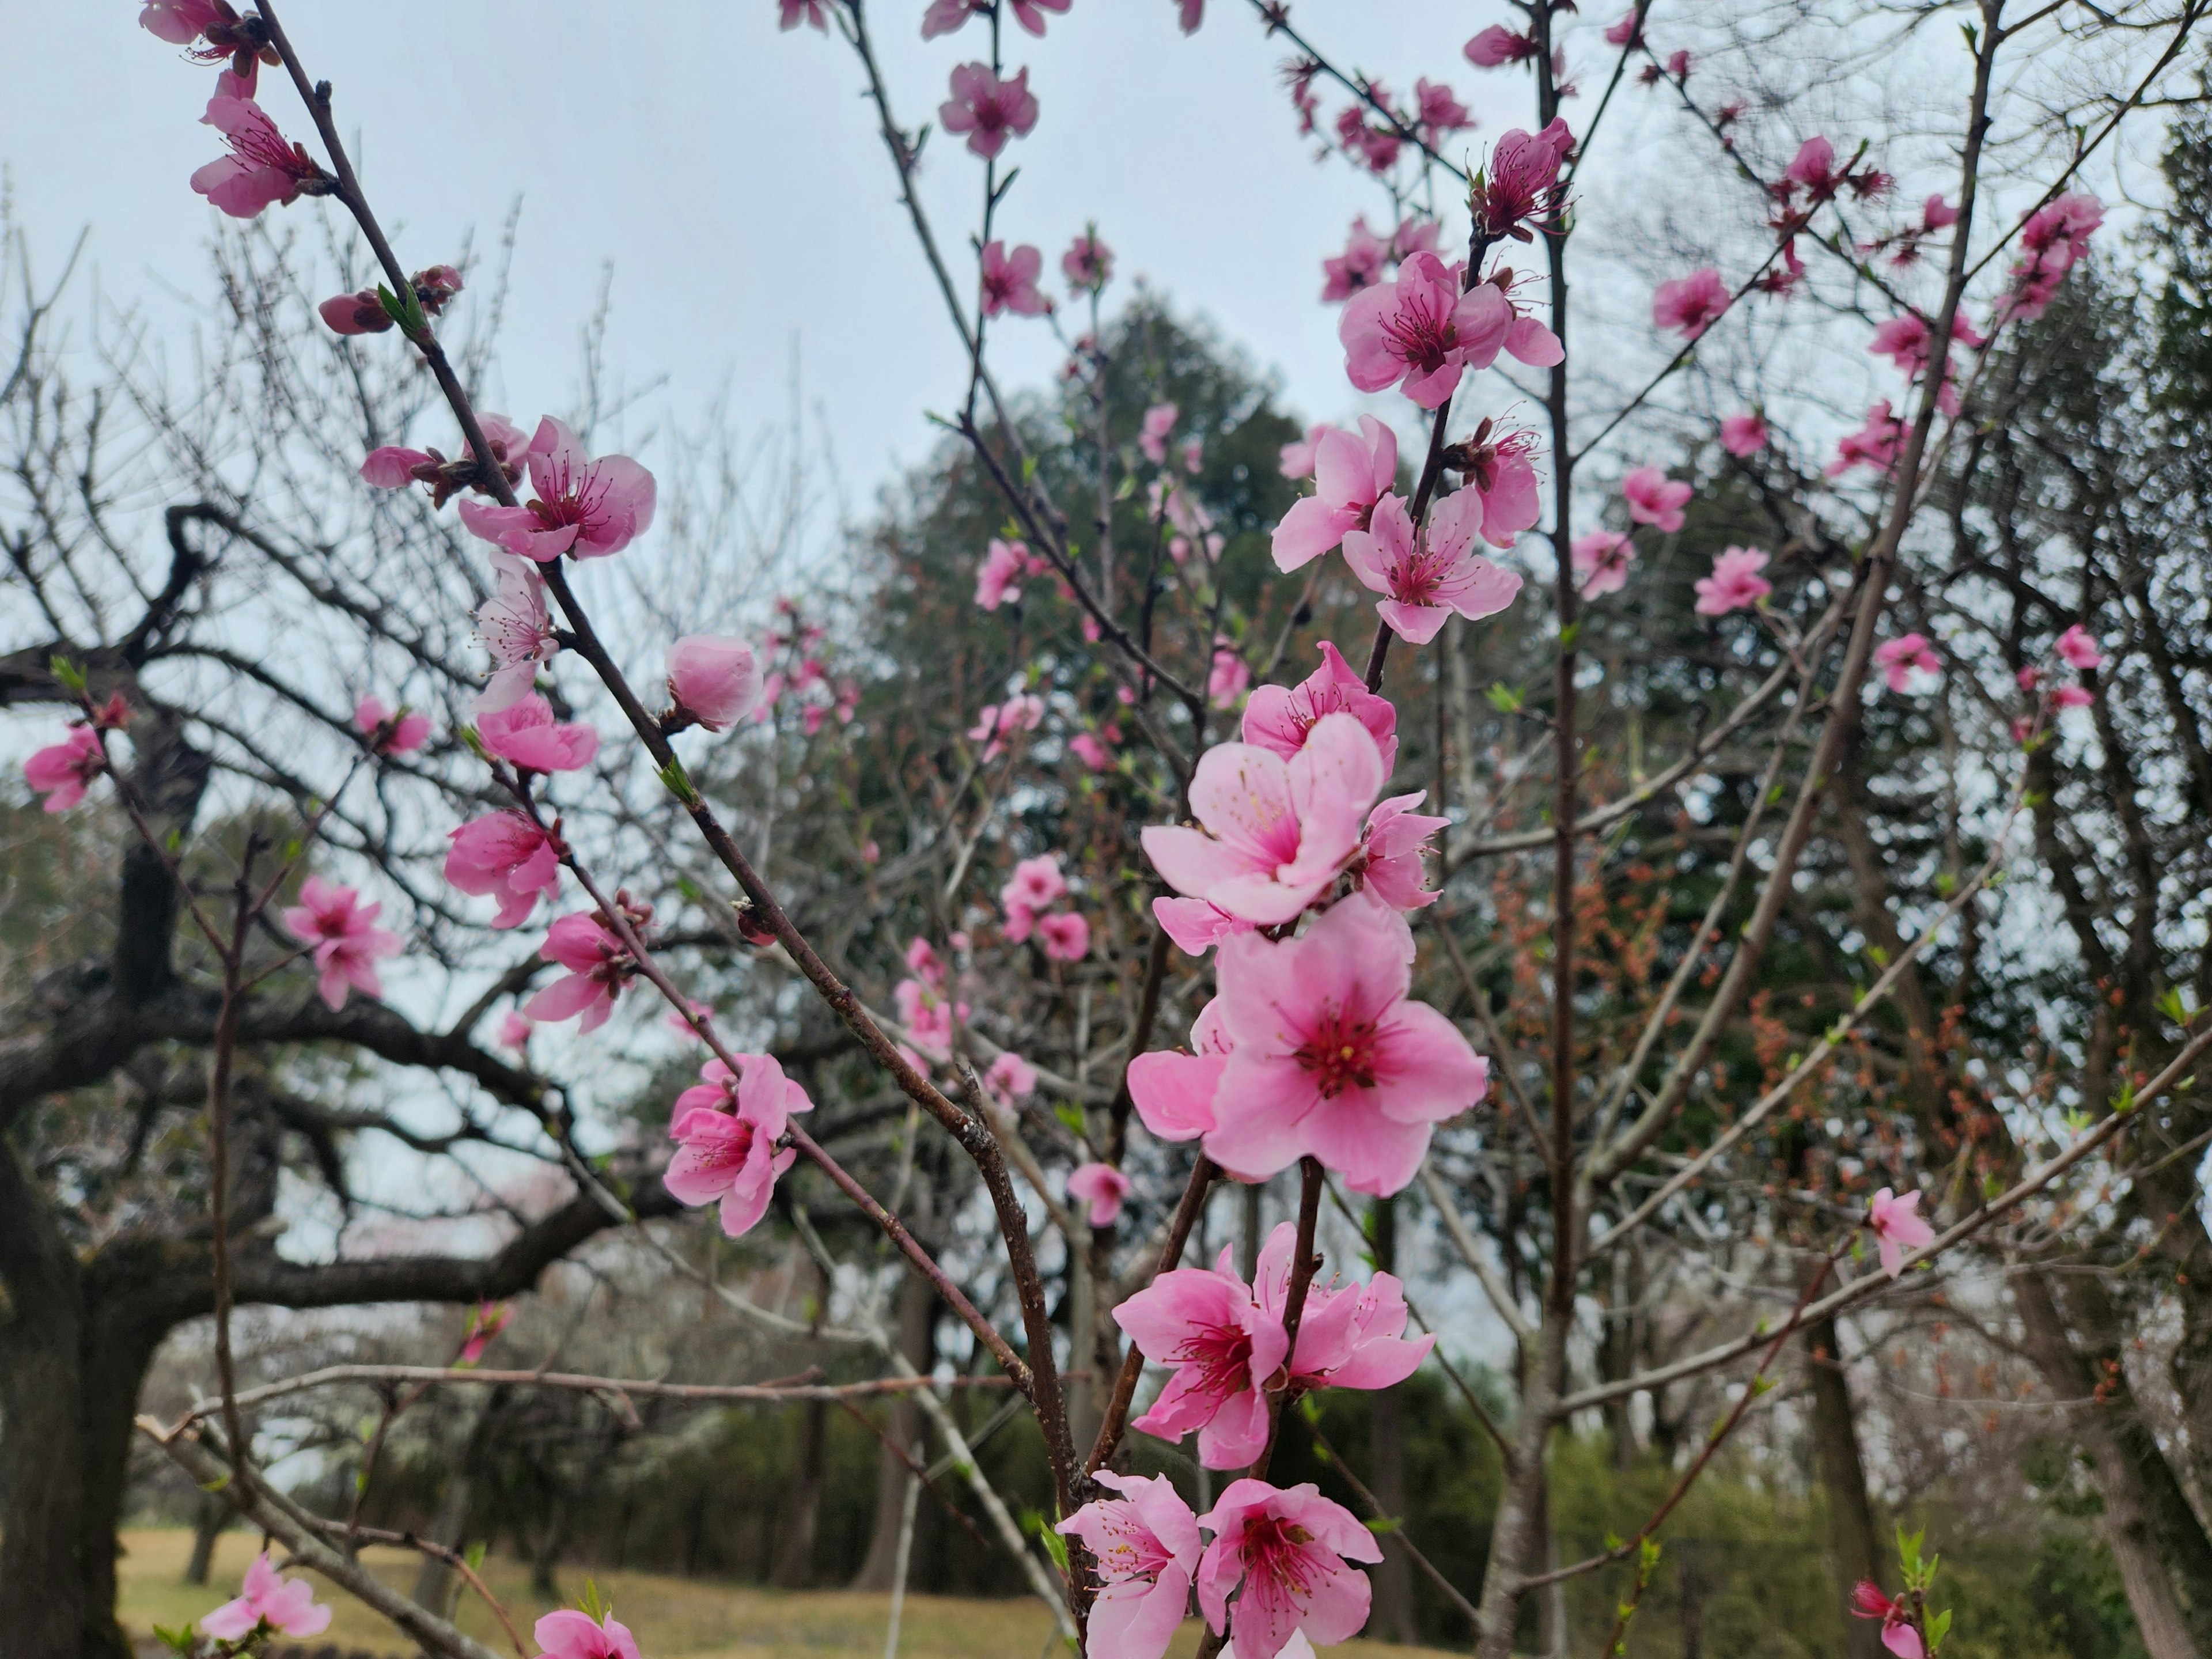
678 782
1384 1523
1505 699
1568 634
1946 884
1877 954
1071 1114
1939 1626
179 1640
1054 1545
476 1554
591 1604
68 674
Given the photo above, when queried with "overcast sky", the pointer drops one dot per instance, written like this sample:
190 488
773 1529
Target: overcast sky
731 176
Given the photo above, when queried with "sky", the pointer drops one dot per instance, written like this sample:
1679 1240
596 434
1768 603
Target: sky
730 176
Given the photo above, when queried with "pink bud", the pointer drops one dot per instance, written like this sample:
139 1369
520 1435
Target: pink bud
712 679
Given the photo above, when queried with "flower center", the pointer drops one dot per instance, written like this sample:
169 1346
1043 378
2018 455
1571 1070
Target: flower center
1421 331
1339 1053
1223 1355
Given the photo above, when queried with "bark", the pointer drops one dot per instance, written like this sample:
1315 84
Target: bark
2132 1480
917 1329
1392 1576
1854 1545
211 1516
794 1566
435 1581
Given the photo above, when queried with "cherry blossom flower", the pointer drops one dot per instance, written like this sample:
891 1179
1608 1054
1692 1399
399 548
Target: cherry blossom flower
585 509
1350 1336
2053 238
1009 281
1899 657
1290 1548
1011 1077
1298 458
1814 169
1328 1057
1601 558
1423 579
2079 649
1023 712
1089 748
1220 1346
923 962
815 13
363 312
1275 832
2072 696
944 17
1377 146
1744 435
227 36
347 942
1145 1543
600 967
286 1606
1437 112
1351 474
1420 329
1174 1091
1625 31
1066 936
1520 186
1896 1225
713 679
486 1321
998 579
1897 1632
1101 1186
1875 444
1035 882
62 770
1152 435
726 1129
1498 44
1690 305
508 856
1907 341
1088 264
390 730
1498 467
1229 675
262 170
1654 498
1195 925
927 1016
1280 717
1193 455
525 733
1938 215
988 109
1736 583
515 1030
1361 265
517 627
1190 14
392 467
567 1633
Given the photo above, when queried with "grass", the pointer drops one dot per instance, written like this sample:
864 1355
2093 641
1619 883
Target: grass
672 1618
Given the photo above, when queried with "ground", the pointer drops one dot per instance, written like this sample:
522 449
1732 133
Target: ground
672 1618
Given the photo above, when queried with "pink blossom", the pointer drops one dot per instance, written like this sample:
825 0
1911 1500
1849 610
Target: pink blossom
1437 112
1088 264
690 1020
1744 435
1898 657
1152 436
600 966
1009 282
1498 44
286 1606
1145 1543
1425 579
1377 146
1814 168
1736 583
1066 936
1625 31
998 579
1520 186
363 312
1035 882
394 468
526 734
2079 649
1193 455
1690 304
508 856
515 1030
1360 266
1174 1091
927 1016
567 1633
1498 471
1087 747
726 1129
61 770
790 15
1389 862
390 730
1298 458
262 170
1011 1077
1195 925
1275 832
347 943
1190 14
988 110
1328 1057
1896 1225
1351 474
1601 559
712 679
2054 237
1421 329
1875 444
1101 1186
1906 340
923 962
1289 1548
1938 215
944 17
1655 499
2072 696
1350 1336
1897 1632
1280 717
517 627
1221 1348
585 509
486 1321
1229 675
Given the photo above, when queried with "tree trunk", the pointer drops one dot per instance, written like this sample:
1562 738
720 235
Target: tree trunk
794 1566
1854 1546
2112 1433
210 1516
1393 1619
917 1332
434 1580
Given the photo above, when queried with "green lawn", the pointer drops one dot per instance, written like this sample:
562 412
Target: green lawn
673 1618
